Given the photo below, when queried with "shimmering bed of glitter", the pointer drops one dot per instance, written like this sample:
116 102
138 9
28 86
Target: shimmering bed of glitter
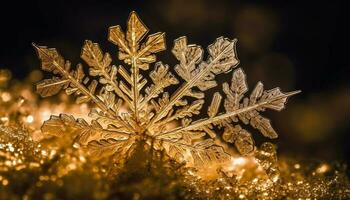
30 170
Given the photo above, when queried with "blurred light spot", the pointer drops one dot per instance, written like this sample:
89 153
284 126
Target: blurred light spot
30 119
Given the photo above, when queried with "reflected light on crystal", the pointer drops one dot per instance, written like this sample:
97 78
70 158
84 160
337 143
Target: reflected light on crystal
8 163
82 159
20 101
11 148
322 169
5 96
72 166
45 115
52 153
297 166
44 153
239 161
30 119
5 182
236 163
4 119
123 109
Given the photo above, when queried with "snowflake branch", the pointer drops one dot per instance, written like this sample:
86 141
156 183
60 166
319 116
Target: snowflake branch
202 123
186 111
81 87
161 78
181 92
135 90
94 52
198 153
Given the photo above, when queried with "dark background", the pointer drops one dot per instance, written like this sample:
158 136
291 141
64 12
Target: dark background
296 45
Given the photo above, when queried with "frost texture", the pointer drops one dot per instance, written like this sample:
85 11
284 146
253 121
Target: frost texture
150 114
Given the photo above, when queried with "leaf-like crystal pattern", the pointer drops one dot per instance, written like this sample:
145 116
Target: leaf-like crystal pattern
150 114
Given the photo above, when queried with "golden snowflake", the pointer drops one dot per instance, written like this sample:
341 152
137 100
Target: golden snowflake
129 110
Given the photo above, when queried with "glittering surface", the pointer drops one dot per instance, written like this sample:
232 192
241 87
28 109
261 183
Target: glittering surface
36 167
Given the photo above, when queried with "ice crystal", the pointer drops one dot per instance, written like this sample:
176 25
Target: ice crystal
129 110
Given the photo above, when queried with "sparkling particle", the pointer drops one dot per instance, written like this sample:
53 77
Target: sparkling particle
5 182
30 119
322 169
6 96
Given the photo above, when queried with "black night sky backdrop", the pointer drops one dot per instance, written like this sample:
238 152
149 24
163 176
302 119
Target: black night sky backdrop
296 45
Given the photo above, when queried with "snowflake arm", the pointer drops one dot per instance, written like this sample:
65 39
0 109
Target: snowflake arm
161 78
72 81
101 66
99 141
136 55
248 111
221 60
199 154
